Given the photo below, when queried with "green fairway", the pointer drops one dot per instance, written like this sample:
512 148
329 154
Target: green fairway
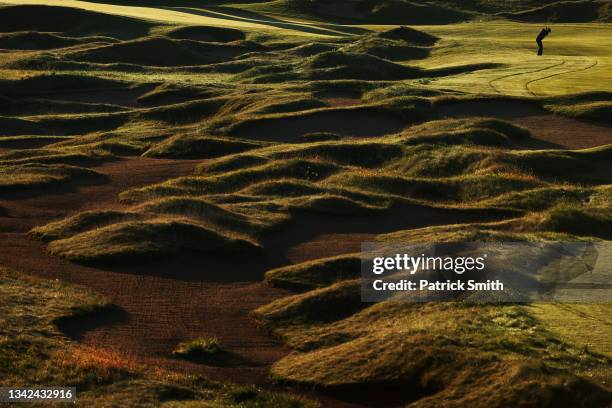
577 58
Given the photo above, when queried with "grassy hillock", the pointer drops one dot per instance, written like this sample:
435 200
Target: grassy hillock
590 106
193 146
435 354
134 241
315 274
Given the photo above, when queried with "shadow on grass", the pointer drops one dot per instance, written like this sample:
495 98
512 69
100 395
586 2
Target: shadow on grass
377 395
53 188
221 358
233 14
77 325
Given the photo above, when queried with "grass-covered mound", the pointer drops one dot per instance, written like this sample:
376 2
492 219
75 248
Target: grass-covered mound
315 274
598 111
389 49
586 165
133 241
436 354
191 147
592 220
341 65
356 61
166 94
587 106
398 44
199 350
369 56
30 176
33 352
409 35
330 65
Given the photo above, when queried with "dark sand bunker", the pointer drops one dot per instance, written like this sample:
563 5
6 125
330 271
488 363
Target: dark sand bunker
558 130
358 122
122 97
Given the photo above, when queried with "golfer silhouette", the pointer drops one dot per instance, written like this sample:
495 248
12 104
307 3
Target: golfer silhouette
545 31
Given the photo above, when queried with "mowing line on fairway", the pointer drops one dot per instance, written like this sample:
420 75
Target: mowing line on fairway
593 65
523 73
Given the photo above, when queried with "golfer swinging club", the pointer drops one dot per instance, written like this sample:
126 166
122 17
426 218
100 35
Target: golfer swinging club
545 31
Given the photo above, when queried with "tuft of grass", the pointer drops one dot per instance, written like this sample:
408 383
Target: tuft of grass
198 348
198 147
